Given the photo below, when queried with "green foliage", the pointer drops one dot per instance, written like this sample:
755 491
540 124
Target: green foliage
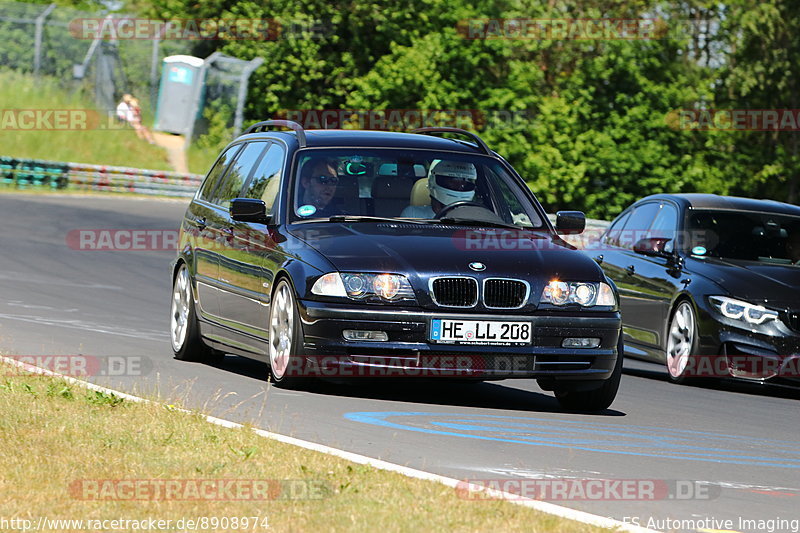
591 127
103 398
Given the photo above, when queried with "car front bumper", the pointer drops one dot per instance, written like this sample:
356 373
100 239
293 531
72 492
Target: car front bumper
408 352
759 357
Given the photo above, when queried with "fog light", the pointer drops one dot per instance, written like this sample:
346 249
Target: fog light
364 335
580 342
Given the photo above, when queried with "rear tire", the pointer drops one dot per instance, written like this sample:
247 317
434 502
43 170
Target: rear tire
187 344
595 399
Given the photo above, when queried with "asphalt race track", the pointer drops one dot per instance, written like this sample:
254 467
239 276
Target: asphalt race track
731 451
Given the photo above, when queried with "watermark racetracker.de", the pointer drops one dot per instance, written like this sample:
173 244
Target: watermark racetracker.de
584 29
734 119
80 366
479 239
201 29
406 119
572 489
222 489
42 119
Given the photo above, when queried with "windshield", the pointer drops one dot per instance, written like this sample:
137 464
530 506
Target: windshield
750 236
423 185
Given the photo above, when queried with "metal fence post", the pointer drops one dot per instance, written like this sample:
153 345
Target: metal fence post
207 62
154 61
242 95
37 47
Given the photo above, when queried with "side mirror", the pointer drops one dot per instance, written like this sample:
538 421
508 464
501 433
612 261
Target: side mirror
652 246
570 222
249 210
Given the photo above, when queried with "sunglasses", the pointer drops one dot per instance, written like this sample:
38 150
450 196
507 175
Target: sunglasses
327 180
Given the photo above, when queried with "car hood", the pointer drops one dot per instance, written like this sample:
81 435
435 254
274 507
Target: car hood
422 251
759 282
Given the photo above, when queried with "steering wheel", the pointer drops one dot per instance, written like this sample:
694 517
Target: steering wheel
455 205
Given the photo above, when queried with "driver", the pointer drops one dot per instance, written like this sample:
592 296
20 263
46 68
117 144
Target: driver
448 182
319 180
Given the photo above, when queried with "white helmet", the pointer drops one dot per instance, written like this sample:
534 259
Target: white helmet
452 181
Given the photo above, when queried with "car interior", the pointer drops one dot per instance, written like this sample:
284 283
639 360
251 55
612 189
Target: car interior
382 187
746 236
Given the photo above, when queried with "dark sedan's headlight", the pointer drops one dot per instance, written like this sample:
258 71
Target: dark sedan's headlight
585 294
742 311
364 286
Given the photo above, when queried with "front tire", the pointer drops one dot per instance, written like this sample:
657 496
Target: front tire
595 399
187 344
285 338
681 342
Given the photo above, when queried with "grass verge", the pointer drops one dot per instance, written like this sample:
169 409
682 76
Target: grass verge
101 147
117 146
60 438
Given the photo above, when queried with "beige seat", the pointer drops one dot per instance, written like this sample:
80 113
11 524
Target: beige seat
419 193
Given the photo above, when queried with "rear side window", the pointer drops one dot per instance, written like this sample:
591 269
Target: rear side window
212 180
665 225
266 179
638 226
234 179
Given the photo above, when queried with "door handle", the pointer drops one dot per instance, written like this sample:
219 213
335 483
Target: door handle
599 259
200 223
631 270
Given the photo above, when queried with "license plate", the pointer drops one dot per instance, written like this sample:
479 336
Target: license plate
448 331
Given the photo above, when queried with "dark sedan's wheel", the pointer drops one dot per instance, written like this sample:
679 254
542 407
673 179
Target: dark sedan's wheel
184 330
595 399
681 341
285 338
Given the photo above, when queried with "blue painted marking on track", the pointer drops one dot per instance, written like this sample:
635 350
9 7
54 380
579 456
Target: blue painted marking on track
642 441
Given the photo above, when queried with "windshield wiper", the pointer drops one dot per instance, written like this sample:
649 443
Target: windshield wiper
364 218
482 223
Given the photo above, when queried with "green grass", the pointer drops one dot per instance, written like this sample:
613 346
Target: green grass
201 159
60 436
117 146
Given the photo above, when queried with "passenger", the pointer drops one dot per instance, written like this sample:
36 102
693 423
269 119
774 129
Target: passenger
448 182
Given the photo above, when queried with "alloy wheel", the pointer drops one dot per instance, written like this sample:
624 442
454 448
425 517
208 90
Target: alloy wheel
680 341
179 322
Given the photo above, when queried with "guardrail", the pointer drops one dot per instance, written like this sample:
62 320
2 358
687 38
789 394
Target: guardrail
25 173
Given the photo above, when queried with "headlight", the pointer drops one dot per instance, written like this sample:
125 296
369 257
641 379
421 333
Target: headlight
573 292
361 286
742 311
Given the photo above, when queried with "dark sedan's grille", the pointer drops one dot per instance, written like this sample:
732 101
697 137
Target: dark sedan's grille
504 293
455 292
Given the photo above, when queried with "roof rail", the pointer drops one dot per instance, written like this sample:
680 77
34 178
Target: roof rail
435 129
261 126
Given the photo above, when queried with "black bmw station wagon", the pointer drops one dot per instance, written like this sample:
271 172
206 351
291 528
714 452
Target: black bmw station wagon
361 253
